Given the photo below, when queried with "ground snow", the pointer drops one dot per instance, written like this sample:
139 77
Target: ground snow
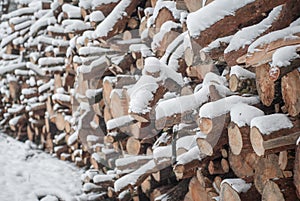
26 174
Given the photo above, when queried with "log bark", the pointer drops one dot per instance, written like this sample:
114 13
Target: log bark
265 86
230 24
266 168
297 171
277 141
288 14
266 51
243 165
177 193
279 189
239 138
291 92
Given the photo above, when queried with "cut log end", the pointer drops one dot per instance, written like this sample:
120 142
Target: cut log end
257 141
233 83
272 192
205 125
235 139
205 147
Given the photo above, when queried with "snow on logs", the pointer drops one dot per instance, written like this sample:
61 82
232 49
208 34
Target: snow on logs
241 80
115 22
277 19
202 24
239 128
273 133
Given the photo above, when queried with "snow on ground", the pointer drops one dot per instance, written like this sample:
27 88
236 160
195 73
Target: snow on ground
27 174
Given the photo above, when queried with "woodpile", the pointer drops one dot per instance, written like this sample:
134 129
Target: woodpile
159 100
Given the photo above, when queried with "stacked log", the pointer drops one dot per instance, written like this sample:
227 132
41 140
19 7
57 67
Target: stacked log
190 106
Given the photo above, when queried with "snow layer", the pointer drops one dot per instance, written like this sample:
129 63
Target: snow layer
141 94
133 177
224 105
241 73
165 28
181 104
26 174
48 61
96 16
248 34
216 43
283 56
271 123
239 185
72 11
108 23
208 15
119 121
192 154
287 33
131 159
242 114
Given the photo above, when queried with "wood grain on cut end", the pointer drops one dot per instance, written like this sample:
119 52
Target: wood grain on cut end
272 192
205 125
133 146
257 141
233 83
235 139
228 193
205 147
291 92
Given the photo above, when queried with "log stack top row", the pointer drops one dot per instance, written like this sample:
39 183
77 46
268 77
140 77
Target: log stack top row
159 100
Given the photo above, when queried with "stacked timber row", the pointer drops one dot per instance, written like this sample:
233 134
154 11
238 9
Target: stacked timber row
159 100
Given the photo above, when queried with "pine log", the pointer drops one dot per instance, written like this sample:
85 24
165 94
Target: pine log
159 191
280 140
288 14
215 50
118 103
239 191
60 121
230 24
264 85
259 54
279 189
265 169
163 174
243 165
163 15
133 146
108 86
106 8
297 171
14 90
187 170
177 193
168 37
239 138
242 80
218 166
198 192
216 137
119 24
291 92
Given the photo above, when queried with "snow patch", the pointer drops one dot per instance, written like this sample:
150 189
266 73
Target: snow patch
271 123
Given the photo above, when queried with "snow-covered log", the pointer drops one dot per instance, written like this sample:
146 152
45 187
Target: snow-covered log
273 133
208 24
115 22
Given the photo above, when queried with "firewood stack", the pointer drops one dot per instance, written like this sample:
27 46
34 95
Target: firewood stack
159 100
